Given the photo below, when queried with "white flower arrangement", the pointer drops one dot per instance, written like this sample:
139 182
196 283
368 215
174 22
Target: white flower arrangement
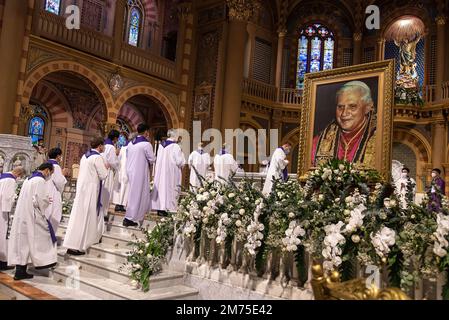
383 240
332 242
293 236
255 229
441 244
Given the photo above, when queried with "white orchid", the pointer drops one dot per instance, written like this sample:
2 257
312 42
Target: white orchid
383 240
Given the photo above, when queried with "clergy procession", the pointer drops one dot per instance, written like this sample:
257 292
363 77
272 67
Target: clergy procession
133 178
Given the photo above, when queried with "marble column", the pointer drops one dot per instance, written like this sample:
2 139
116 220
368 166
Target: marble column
12 44
239 14
357 48
380 49
441 41
439 139
119 26
249 50
280 52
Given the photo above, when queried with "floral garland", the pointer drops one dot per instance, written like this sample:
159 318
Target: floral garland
341 216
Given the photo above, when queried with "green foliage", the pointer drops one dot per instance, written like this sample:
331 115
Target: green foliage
148 254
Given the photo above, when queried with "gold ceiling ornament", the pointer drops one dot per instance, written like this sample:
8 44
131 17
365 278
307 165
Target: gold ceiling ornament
26 112
242 10
441 20
331 288
357 36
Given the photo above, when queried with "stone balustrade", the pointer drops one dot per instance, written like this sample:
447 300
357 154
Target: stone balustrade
445 90
147 62
53 27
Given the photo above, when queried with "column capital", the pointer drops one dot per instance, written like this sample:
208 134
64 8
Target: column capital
441 20
357 36
184 9
282 32
242 10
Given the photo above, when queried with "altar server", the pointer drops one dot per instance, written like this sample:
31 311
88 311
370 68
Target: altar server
277 168
86 223
167 182
110 156
139 158
8 185
120 194
32 235
55 186
199 161
224 165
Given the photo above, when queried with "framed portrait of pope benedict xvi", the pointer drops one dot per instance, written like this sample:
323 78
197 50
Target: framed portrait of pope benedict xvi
347 114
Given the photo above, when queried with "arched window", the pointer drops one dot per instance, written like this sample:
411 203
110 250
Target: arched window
315 51
124 132
135 22
36 129
53 6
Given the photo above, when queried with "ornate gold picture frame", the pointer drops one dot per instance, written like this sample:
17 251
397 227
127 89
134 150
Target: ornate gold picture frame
325 132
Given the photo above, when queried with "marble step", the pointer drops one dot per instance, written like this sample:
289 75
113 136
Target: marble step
48 284
117 229
116 271
105 288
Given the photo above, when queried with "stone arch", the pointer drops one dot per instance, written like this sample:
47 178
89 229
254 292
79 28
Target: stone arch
128 113
167 107
420 13
95 117
41 71
416 141
55 102
420 147
292 137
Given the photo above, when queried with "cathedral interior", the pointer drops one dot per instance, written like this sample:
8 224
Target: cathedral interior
227 63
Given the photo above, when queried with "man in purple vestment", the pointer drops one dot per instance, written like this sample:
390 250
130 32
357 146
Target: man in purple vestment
139 157
436 191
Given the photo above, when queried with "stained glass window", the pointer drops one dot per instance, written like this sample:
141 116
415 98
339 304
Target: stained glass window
52 6
315 51
124 132
135 10
36 127
302 60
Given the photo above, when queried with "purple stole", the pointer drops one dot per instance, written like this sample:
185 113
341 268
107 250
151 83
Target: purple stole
52 161
166 143
222 152
38 174
87 155
7 175
200 151
139 139
285 170
108 141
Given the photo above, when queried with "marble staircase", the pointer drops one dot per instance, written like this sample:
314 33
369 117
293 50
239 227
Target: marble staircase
100 273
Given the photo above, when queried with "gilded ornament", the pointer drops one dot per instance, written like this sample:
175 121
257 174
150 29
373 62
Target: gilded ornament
242 10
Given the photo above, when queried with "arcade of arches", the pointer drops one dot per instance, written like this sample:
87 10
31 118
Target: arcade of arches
170 62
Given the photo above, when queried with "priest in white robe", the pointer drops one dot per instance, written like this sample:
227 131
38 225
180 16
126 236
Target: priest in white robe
110 156
86 222
55 186
277 168
199 161
140 157
120 194
167 182
32 236
405 188
8 185
224 165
